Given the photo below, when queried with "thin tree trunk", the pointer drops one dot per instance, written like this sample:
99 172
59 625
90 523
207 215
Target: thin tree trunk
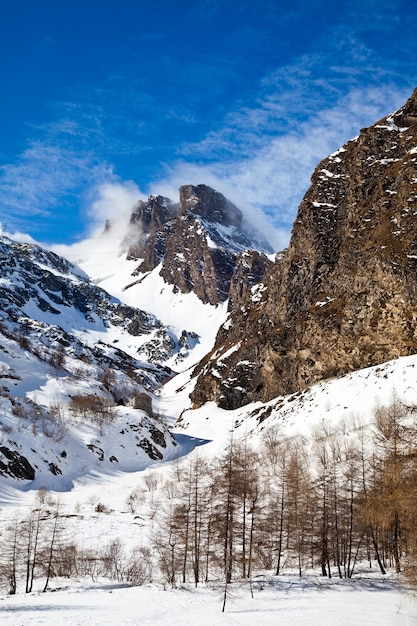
281 532
51 548
375 544
350 532
396 541
251 547
228 543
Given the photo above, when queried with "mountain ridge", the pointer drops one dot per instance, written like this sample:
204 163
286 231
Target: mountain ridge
342 296
196 242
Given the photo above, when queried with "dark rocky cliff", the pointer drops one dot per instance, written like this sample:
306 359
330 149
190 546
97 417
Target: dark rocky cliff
343 296
197 242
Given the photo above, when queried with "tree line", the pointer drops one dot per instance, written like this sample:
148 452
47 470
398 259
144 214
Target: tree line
39 546
345 496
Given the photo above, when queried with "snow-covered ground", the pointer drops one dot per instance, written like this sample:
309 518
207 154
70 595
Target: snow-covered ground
104 260
342 404
308 601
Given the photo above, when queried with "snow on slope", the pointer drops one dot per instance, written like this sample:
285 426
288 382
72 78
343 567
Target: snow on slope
367 600
342 403
103 258
63 444
69 363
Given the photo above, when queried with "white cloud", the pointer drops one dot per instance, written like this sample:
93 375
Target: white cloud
113 202
43 182
110 202
16 235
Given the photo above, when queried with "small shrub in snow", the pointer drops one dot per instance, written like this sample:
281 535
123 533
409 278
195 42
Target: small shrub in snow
132 501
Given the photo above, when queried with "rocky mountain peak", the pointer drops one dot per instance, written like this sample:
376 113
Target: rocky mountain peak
407 115
147 221
155 212
196 242
210 205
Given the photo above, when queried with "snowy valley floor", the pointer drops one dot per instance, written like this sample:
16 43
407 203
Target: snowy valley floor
284 600
368 599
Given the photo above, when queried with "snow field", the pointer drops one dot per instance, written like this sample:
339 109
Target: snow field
283 600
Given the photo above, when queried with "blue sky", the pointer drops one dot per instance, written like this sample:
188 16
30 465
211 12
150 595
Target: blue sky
104 102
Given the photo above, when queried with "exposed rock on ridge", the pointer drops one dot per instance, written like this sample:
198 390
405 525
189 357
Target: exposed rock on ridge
70 353
343 296
197 243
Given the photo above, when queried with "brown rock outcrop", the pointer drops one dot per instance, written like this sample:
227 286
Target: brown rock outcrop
344 294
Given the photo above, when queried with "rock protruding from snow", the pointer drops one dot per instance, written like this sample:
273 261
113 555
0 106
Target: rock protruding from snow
210 205
149 220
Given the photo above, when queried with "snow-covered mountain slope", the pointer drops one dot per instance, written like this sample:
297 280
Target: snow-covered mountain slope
41 287
174 270
183 314
72 352
72 357
190 323
60 423
343 404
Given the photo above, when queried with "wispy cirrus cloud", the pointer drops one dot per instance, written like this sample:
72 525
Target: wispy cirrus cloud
271 150
62 172
44 182
264 151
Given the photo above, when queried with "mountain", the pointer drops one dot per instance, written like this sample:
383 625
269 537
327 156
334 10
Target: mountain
188 307
72 358
79 368
304 401
186 262
342 297
42 294
196 243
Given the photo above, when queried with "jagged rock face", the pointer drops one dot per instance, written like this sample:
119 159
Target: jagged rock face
250 269
15 465
210 205
343 296
196 242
